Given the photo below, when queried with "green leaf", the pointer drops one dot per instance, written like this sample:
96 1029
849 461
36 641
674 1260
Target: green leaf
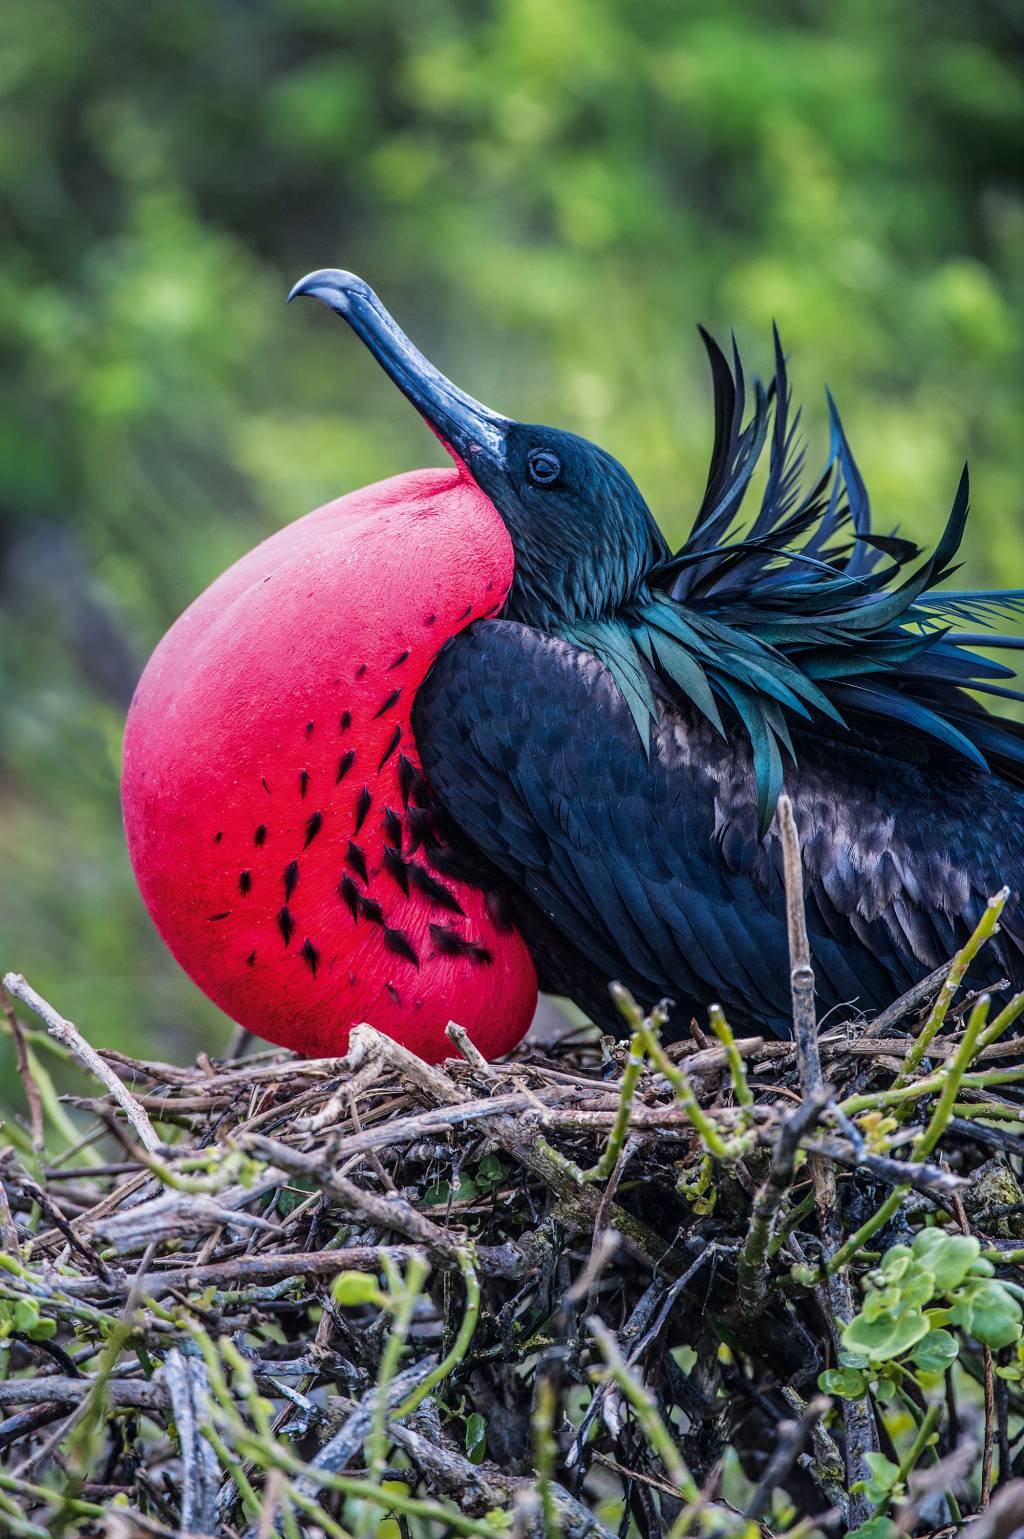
874 1528
879 1302
917 1289
26 1315
42 1330
850 1383
351 1288
935 1353
289 1197
926 1242
995 1315
884 1473
951 1264
895 1261
476 1438
884 1338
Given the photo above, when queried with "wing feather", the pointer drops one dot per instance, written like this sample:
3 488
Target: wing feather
653 868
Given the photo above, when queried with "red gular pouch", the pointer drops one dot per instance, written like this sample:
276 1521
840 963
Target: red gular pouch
281 830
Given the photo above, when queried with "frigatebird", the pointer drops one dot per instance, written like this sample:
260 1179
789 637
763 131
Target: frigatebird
466 731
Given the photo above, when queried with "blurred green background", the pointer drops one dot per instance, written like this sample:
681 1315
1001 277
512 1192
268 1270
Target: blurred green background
549 194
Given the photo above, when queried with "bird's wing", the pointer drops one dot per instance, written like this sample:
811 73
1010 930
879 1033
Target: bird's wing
652 866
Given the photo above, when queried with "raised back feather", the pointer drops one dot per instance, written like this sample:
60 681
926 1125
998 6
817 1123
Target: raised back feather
807 612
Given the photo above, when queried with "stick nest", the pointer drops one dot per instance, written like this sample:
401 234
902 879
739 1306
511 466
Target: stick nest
588 1291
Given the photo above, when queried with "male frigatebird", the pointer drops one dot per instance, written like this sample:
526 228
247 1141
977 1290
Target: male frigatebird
469 729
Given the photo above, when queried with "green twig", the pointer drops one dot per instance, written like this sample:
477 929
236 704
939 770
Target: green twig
460 1346
646 1029
984 931
928 1424
542 1426
794 1217
647 1414
39 1493
617 1137
737 1068
981 1079
752 1264
404 1293
278 1454
1006 1017
949 1079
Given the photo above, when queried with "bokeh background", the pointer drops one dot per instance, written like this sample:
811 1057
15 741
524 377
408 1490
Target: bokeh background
549 194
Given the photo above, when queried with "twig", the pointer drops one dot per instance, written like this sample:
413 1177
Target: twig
984 929
639 1397
836 1293
989 1441
617 1137
752 1263
35 1105
242 1273
950 1081
469 1050
737 1069
60 1390
801 976
792 1435
915 996
922 1177
67 1033
188 1387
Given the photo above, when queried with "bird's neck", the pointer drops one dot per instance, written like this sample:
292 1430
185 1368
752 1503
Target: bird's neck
580 576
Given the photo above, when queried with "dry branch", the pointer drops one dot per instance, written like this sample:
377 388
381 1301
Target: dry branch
240 1395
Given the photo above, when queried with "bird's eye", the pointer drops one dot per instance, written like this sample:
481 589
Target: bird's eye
545 467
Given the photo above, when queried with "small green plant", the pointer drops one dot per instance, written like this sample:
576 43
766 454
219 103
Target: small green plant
914 1303
23 1318
488 1176
914 1296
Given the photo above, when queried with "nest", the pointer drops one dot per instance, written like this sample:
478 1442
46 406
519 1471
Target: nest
588 1291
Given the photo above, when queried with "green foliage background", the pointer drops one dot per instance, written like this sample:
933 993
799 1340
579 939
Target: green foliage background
549 194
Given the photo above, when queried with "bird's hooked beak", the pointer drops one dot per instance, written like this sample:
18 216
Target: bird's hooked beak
465 427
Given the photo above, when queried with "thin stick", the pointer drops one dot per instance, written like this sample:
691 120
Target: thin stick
915 996
792 1437
67 1033
836 1294
35 1105
752 1264
984 930
990 1413
801 976
471 1053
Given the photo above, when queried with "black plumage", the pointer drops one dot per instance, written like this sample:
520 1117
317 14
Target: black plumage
605 756
364 802
392 744
396 868
398 942
618 764
431 888
357 860
348 892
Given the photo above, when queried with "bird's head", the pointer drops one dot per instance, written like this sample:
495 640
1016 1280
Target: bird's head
584 538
